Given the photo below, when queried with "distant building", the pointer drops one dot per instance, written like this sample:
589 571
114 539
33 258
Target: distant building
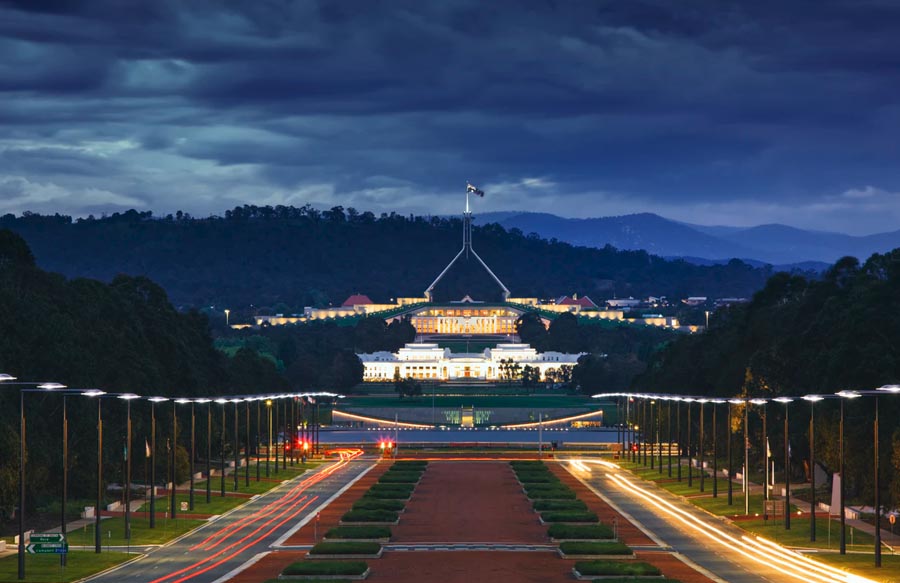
695 300
427 361
626 303
722 302
583 301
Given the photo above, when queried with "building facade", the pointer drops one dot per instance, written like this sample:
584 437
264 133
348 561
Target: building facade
427 361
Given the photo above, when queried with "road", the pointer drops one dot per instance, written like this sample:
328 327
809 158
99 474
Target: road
213 550
723 550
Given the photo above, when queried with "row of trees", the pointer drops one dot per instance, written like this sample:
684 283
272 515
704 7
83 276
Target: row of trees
296 257
799 336
122 336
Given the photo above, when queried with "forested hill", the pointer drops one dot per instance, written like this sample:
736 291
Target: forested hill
795 337
293 257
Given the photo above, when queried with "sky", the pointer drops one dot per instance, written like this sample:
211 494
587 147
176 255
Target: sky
712 112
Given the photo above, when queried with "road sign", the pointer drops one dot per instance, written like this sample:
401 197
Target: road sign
47 537
47 548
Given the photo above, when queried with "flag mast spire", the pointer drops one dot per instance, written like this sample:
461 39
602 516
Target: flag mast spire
467 248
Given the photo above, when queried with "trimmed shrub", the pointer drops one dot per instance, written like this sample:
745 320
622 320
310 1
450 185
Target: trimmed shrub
595 548
542 505
408 488
370 516
580 531
326 568
624 568
530 478
551 494
527 464
358 532
346 548
386 495
379 504
399 478
568 516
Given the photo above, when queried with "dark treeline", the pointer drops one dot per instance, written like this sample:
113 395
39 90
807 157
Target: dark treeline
322 354
286 258
122 336
616 352
799 337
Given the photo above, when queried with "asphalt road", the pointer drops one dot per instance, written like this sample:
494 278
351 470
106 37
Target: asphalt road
210 552
708 541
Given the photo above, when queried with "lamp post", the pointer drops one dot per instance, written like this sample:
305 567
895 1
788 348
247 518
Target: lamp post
128 397
787 465
257 436
192 454
715 431
651 427
762 403
745 486
269 443
844 396
236 448
222 450
678 431
702 456
208 403
98 393
730 456
173 506
227 314
669 432
893 389
812 462
247 442
153 402
689 443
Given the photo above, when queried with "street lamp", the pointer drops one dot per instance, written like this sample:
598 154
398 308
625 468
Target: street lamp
128 397
237 453
762 402
669 432
716 402
690 444
813 399
99 394
702 456
745 486
269 444
247 442
893 389
844 396
204 401
222 463
787 464
227 313
153 402
8 380
193 451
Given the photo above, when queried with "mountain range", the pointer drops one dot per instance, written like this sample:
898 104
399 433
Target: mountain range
775 244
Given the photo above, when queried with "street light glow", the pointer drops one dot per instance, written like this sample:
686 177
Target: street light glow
128 396
93 393
889 388
784 400
6 377
813 398
157 399
848 394
51 386
758 401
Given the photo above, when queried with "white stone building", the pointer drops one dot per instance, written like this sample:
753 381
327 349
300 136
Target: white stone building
428 361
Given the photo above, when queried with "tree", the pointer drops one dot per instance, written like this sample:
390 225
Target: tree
564 334
531 330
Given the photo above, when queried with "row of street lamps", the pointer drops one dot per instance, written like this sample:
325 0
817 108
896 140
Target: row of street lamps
635 407
306 432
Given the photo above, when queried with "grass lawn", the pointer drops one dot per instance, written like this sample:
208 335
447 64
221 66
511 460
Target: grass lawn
798 536
141 533
45 568
864 565
217 504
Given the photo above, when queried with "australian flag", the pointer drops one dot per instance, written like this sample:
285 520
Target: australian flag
474 190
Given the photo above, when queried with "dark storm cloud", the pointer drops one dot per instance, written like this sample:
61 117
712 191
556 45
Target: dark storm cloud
710 111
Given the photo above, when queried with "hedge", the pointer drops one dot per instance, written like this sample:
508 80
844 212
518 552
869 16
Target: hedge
326 568
359 532
551 494
410 464
379 504
346 548
625 568
595 548
386 495
542 505
530 478
370 516
568 516
580 531
399 478
408 488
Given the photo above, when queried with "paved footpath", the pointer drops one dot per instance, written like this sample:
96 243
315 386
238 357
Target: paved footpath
214 550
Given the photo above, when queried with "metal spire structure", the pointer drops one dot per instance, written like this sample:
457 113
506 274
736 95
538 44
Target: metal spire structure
467 248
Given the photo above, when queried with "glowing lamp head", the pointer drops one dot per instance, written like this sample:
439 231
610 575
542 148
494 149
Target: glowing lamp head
305 445
383 445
